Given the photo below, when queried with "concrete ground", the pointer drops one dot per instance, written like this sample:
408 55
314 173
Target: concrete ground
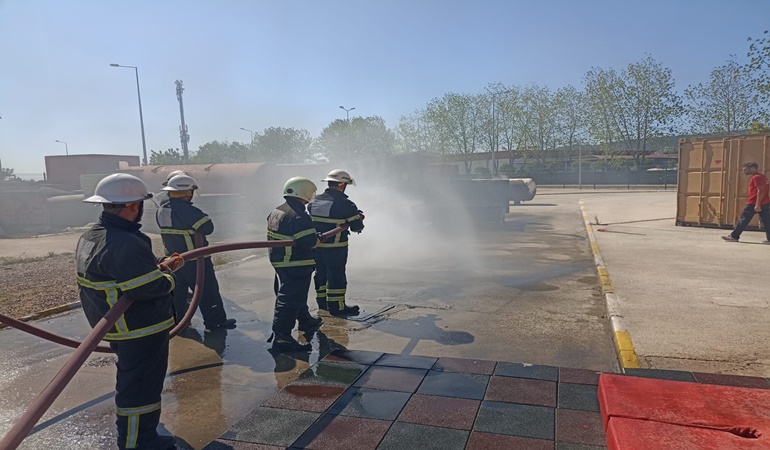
689 300
524 291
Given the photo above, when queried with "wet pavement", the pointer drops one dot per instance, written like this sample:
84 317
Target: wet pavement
523 291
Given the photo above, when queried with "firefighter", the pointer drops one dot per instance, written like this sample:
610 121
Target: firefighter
328 211
293 265
178 220
115 259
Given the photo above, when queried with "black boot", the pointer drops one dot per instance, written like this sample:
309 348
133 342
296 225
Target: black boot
228 324
311 324
286 343
346 311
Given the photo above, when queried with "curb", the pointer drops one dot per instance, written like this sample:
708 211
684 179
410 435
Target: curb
46 313
621 337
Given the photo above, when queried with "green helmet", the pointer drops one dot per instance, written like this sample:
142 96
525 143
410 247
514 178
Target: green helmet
299 187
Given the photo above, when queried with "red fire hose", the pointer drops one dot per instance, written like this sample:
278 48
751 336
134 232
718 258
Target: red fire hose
43 401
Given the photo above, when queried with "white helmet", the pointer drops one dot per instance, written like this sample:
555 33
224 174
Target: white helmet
299 187
340 176
172 175
181 183
119 189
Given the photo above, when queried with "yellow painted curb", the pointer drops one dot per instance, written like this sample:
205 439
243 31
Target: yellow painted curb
47 312
623 345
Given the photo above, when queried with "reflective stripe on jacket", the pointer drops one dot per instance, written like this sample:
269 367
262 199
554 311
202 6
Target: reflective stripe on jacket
290 221
114 259
178 221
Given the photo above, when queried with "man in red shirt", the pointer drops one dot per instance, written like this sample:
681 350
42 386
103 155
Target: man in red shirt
757 203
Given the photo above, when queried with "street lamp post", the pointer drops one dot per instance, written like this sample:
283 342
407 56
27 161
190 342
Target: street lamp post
252 134
66 148
347 112
141 117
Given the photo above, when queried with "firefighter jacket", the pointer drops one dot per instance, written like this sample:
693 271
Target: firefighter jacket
114 259
290 221
332 209
178 220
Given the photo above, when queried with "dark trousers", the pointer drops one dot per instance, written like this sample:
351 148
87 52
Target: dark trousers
748 214
291 289
330 281
142 365
211 307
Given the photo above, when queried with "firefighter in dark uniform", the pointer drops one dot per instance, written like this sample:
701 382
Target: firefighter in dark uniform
293 265
115 259
178 220
328 211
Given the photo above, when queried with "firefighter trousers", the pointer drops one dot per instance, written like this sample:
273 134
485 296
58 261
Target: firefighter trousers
142 365
330 280
211 306
291 286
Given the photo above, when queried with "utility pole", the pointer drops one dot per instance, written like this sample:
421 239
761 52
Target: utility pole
183 136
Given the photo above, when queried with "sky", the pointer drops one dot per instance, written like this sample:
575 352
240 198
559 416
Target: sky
257 63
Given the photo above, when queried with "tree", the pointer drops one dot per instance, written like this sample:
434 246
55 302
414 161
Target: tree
630 107
283 145
359 137
6 173
759 63
166 158
415 134
458 121
726 103
571 119
217 152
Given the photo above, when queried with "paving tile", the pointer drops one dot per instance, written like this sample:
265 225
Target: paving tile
578 376
578 396
343 433
489 441
516 420
517 370
674 375
305 397
410 436
353 356
571 446
521 390
408 361
447 412
579 427
476 366
271 426
370 403
224 444
331 373
391 379
452 384
732 380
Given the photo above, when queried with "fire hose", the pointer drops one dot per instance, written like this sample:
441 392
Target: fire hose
45 399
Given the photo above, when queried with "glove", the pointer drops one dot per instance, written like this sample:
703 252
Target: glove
172 263
320 236
362 216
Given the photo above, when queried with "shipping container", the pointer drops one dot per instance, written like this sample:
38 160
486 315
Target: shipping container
712 190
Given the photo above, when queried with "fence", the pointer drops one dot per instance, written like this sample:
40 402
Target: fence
616 177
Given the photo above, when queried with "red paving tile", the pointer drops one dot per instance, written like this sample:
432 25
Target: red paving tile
392 379
732 380
580 427
446 412
353 433
225 444
578 376
521 390
308 397
476 366
489 441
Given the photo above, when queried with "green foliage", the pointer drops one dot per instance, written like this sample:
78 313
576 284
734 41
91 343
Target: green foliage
759 62
482 172
508 170
726 103
283 145
758 128
168 157
6 173
357 138
217 152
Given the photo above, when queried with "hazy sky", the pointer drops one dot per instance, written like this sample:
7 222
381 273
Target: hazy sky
291 63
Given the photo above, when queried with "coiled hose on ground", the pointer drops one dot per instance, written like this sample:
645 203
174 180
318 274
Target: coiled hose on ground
45 399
